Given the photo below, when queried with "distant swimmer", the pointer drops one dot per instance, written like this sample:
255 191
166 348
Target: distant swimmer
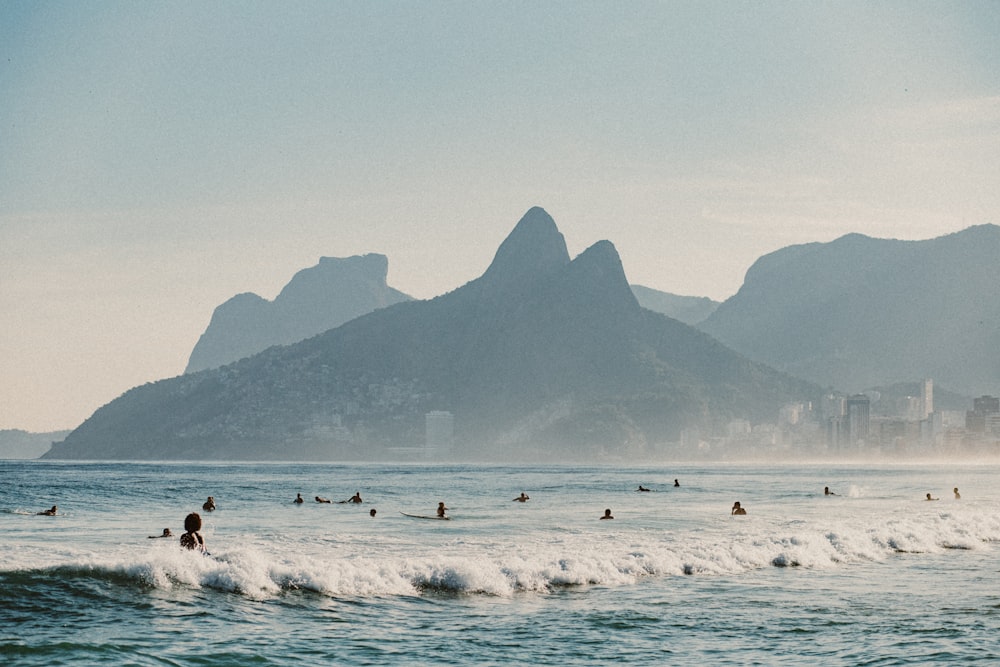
828 492
166 533
441 509
356 498
192 538
642 488
929 497
321 499
51 512
298 499
737 509
958 496
523 498
607 515
676 483
209 505
371 512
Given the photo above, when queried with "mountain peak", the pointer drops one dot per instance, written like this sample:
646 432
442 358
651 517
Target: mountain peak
533 249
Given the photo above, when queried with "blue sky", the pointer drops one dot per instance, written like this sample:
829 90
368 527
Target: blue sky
158 158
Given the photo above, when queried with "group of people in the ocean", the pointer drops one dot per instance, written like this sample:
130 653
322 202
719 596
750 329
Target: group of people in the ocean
958 496
355 499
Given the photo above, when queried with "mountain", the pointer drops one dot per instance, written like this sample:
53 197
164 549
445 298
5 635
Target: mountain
18 444
316 299
859 312
688 309
540 358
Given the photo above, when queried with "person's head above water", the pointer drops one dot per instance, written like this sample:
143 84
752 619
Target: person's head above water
192 522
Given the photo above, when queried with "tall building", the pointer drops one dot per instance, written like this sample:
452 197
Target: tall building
926 398
982 409
858 417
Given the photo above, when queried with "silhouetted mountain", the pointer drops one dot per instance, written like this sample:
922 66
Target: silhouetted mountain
688 309
539 357
316 299
859 312
18 444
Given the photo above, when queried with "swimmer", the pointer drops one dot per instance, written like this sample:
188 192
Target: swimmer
958 496
356 498
828 492
209 505
642 488
192 538
676 483
607 515
371 512
321 499
51 512
298 499
522 498
929 497
737 510
166 533
441 509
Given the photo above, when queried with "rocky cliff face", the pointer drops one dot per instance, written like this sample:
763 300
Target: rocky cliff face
316 299
542 356
859 312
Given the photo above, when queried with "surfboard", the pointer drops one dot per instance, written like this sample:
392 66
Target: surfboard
421 516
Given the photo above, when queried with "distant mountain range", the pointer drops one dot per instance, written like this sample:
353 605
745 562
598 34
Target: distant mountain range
859 312
316 299
18 444
540 357
688 309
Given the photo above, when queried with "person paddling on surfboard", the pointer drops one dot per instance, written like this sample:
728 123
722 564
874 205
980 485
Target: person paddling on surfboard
51 512
441 510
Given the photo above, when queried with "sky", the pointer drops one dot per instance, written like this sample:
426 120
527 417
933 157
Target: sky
158 158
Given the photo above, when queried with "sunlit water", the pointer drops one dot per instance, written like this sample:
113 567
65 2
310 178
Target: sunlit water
873 576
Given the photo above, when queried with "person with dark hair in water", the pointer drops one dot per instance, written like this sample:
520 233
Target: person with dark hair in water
929 497
441 510
298 499
371 512
523 498
192 538
958 496
828 492
51 512
738 509
321 499
642 488
209 505
607 515
676 483
166 533
356 498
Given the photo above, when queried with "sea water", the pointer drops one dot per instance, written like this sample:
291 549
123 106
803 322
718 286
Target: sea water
875 575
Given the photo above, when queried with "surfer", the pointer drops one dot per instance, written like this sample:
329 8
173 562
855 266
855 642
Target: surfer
321 499
737 509
166 533
209 505
298 499
192 538
523 498
441 510
929 497
356 498
607 515
642 488
51 512
958 496
676 483
828 492
371 512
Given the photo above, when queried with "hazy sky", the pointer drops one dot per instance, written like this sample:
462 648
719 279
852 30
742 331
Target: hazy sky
158 158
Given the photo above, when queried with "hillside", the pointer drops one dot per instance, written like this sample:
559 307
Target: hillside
541 357
688 309
316 299
860 312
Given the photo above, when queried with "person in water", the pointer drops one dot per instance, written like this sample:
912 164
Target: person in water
51 512
166 533
958 496
356 498
371 512
929 497
642 488
828 492
523 498
737 509
676 483
298 499
607 515
209 505
192 538
321 499
441 510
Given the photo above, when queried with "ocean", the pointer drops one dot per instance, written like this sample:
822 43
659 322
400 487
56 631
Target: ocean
875 575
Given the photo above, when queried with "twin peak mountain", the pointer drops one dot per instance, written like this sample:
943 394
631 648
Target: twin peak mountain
543 357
